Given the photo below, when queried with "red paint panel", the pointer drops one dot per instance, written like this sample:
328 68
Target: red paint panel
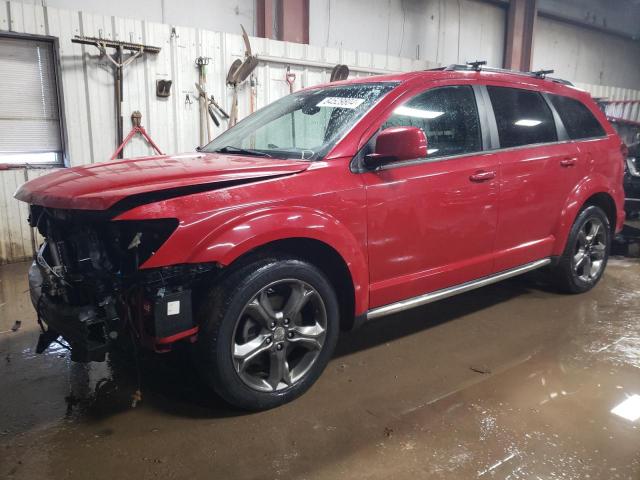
98 186
533 185
429 226
326 204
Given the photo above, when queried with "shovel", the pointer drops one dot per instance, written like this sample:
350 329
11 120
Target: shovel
238 73
339 72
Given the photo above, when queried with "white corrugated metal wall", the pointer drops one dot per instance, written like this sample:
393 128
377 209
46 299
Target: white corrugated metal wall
446 31
585 55
87 84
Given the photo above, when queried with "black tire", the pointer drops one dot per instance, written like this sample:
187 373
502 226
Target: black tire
221 313
567 274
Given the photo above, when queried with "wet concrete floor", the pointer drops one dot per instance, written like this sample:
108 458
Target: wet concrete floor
512 381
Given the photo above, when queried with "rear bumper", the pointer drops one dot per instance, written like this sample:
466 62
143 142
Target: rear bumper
81 326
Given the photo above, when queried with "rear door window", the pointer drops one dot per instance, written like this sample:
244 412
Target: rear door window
447 115
577 118
523 117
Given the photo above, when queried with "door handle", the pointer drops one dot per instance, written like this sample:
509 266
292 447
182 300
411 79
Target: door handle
482 176
568 162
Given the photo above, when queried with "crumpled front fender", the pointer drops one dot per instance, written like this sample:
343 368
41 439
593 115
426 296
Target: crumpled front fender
224 240
241 235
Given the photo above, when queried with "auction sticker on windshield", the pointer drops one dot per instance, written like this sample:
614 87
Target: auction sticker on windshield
340 102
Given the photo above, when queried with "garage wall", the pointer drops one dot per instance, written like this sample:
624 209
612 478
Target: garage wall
442 31
173 123
217 15
620 16
419 29
586 55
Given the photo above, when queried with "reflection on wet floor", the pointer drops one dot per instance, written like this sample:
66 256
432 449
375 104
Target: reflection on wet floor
627 243
512 381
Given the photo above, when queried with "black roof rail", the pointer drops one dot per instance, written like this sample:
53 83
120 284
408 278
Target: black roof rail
544 75
541 73
477 66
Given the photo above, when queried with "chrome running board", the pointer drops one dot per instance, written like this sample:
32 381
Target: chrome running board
409 303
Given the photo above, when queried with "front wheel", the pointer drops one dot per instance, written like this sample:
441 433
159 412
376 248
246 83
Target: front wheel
585 256
267 332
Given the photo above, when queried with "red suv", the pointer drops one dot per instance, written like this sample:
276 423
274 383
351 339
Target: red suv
337 204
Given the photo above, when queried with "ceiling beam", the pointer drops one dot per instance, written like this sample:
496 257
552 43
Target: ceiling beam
286 20
521 17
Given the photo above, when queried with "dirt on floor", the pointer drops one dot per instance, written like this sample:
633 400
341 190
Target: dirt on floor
510 381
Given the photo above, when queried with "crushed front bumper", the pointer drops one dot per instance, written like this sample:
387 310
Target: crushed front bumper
83 327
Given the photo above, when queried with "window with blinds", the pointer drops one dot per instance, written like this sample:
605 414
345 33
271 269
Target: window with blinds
30 131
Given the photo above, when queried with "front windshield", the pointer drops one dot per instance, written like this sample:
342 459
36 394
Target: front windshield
303 125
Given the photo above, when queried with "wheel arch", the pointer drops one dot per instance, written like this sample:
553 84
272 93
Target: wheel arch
592 191
306 233
321 255
605 201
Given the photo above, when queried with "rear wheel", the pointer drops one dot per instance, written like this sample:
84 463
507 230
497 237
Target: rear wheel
268 331
587 251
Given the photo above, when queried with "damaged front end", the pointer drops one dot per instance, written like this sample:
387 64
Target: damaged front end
88 288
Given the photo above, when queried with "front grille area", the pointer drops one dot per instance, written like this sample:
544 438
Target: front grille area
90 263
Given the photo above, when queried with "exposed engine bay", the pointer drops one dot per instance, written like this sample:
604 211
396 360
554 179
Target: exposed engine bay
88 288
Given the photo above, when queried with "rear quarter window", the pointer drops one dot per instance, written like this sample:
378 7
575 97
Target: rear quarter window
577 118
522 116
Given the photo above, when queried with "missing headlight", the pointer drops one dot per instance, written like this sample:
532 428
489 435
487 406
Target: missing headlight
132 242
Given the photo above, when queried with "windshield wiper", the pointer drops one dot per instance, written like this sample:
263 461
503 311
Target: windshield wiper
243 151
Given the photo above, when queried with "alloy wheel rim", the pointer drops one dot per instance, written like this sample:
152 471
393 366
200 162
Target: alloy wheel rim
590 250
279 335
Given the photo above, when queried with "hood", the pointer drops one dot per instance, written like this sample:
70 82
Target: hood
99 186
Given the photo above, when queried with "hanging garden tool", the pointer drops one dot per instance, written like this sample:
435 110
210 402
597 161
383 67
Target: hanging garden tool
136 117
238 73
231 75
205 113
339 72
215 107
201 86
253 93
119 63
212 108
290 78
